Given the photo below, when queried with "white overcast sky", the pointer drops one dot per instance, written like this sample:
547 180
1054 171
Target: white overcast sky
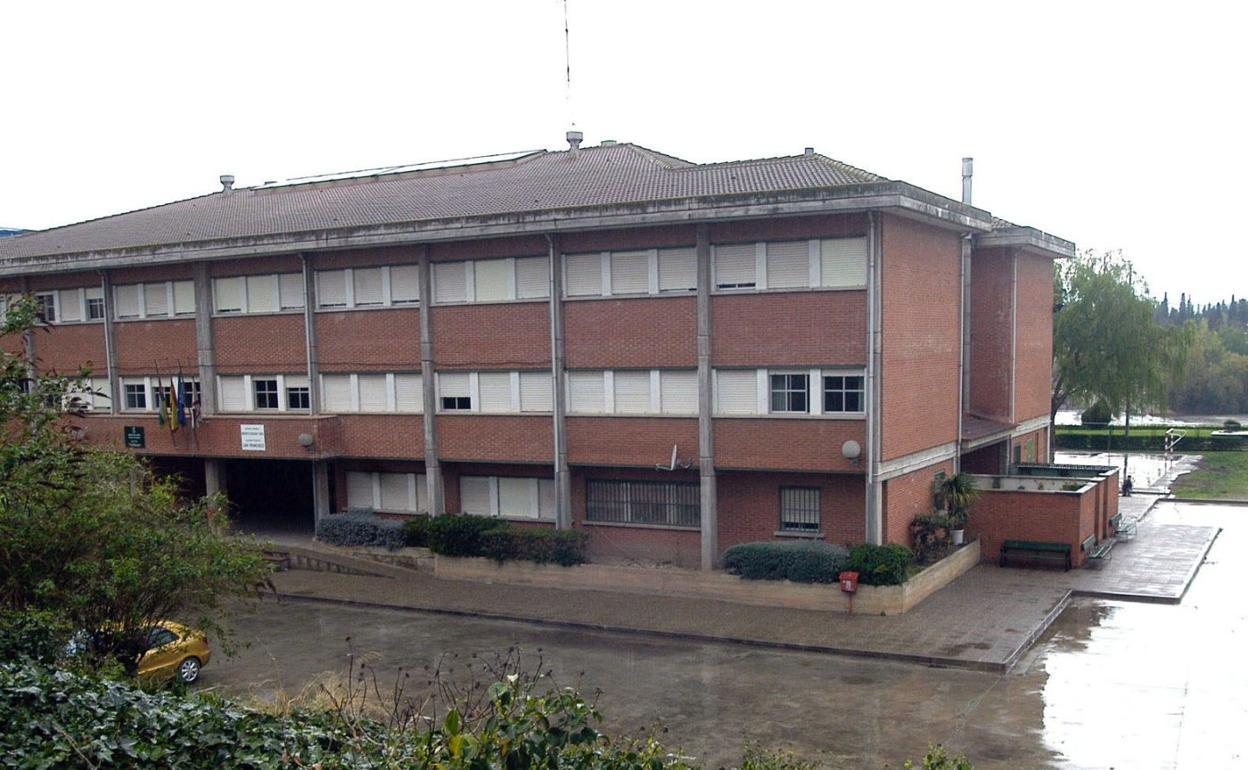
1116 125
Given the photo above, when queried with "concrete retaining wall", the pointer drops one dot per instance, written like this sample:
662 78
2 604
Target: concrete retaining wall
720 586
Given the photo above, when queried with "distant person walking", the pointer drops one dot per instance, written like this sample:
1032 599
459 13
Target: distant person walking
1127 486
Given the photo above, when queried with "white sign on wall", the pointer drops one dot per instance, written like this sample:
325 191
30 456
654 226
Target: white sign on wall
252 437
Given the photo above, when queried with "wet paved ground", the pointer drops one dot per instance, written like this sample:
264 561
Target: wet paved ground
1111 684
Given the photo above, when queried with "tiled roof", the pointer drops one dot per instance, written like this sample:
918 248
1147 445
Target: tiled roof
599 176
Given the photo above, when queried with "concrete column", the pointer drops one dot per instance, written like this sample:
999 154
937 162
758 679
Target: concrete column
28 336
706 426
874 522
433 468
203 341
563 478
309 336
214 479
320 490
110 345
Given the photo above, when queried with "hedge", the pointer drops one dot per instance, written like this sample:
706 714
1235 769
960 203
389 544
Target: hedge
805 561
881 565
359 528
543 546
416 532
458 534
1116 442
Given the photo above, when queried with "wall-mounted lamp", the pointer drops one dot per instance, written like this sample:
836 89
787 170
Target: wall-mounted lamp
852 451
305 440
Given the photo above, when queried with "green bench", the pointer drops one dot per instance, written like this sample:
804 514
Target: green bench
1097 553
1124 529
1036 550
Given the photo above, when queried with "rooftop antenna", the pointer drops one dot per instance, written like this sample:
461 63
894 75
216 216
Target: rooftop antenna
574 136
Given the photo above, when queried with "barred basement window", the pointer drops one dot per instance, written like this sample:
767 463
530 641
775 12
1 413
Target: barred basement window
662 503
842 394
266 394
799 509
788 393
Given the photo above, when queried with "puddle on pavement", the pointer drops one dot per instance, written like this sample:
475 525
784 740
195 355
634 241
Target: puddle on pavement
1145 469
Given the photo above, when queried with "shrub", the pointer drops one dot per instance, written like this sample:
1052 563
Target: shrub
1097 414
881 565
930 534
1232 425
32 635
806 561
458 534
543 546
357 528
416 532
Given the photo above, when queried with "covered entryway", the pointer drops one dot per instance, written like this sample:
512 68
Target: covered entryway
269 496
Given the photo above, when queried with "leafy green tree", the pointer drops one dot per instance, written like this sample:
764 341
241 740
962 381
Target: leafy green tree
91 535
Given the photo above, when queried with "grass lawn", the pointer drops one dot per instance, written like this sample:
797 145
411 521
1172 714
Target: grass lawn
1137 430
1221 476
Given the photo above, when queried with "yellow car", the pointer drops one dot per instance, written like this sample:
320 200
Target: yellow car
174 651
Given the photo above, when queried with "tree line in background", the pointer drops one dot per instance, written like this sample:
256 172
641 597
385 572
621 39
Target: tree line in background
1117 347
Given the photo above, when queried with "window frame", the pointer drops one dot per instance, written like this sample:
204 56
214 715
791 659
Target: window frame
296 393
788 391
843 391
801 524
275 393
127 392
626 494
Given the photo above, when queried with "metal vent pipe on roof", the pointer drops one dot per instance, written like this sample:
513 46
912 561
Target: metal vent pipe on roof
810 151
574 142
968 170
227 182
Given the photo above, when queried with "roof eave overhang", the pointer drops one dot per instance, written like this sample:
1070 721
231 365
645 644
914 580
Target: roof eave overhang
899 197
1029 239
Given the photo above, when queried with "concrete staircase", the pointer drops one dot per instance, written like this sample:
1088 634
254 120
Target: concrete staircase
286 556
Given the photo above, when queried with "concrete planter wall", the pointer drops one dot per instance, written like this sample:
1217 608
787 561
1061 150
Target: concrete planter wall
720 586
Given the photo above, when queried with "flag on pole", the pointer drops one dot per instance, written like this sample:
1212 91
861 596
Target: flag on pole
181 414
159 397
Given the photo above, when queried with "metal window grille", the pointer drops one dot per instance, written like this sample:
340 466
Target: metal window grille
298 398
266 394
663 503
799 509
788 393
842 394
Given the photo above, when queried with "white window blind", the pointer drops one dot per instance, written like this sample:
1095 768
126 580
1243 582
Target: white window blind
546 498
336 392
233 394
516 498
359 490
227 295
492 278
449 282
632 392
843 262
155 299
183 297
404 284
394 492
678 269
679 392
584 275
368 286
474 495
585 394
372 392
532 277
788 265
630 272
70 305
261 294
535 392
409 395
126 298
736 391
453 384
495 391
290 290
331 288
735 266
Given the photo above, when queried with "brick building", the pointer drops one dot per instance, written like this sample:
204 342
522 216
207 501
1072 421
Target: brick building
760 349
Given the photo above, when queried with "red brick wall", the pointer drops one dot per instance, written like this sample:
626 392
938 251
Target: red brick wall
908 496
623 240
1049 517
492 248
809 328
369 340
991 324
1034 452
61 281
986 460
822 226
786 444
749 506
144 345
65 348
269 344
181 271
220 436
503 438
289 263
921 310
513 335
391 255
682 547
636 441
622 333
381 435
1033 379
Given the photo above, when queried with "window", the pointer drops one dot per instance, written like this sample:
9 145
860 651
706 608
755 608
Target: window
799 509
298 397
678 270
842 393
373 392
788 393
658 503
450 282
391 492
95 304
227 294
409 393
126 301
190 393
69 305
510 496
532 277
290 290
261 294
736 266
736 391
183 297
331 288
233 394
494 389
630 272
679 392
585 393
360 491
136 395
788 265
405 284
492 279
266 393
632 392
46 306
843 262
369 290
535 392
155 300
582 275
454 392
336 393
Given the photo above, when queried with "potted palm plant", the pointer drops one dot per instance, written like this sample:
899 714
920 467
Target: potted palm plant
954 495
